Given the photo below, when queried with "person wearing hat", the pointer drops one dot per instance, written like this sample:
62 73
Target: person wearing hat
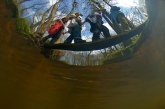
75 28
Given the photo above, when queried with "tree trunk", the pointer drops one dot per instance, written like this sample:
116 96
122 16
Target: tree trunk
45 24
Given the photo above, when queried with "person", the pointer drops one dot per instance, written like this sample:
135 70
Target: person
75 28
56 30
96 23
118 17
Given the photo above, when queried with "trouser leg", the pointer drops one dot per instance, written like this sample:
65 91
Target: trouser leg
131 25
96 35
46 38
125 27
69 39
117 28
105 31
77 32
55 37
124 23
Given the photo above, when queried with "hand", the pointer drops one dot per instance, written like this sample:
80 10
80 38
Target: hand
63 32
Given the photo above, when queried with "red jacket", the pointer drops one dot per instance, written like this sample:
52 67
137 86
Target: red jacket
55 28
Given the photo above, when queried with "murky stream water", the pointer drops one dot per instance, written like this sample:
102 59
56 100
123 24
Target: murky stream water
28 80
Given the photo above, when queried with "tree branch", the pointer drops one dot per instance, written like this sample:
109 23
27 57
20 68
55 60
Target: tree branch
73 7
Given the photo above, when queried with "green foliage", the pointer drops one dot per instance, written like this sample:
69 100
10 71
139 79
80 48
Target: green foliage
125 52
13 8
23 26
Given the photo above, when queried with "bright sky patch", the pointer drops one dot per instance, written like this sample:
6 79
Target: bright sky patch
127 2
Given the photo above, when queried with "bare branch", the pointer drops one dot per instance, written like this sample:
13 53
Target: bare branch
73 7
45 24
22 1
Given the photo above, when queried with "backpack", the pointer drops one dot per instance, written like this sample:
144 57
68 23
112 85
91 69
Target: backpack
92 18
95 18
55 28
73 23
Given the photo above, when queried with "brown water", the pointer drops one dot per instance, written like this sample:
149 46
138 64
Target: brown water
28 80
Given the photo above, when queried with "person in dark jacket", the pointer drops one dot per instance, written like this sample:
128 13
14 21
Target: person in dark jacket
75 28
118 17
96 23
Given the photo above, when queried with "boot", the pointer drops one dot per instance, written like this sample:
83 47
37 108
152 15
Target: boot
79 41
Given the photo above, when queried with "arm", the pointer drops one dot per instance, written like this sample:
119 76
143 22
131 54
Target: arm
83 22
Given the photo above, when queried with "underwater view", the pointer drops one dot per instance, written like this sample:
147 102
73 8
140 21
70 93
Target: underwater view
123 71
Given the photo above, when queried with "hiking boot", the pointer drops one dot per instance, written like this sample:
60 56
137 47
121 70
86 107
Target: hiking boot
42 43
67 42
79 41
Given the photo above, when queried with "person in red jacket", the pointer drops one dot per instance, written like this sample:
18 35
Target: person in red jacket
55 31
